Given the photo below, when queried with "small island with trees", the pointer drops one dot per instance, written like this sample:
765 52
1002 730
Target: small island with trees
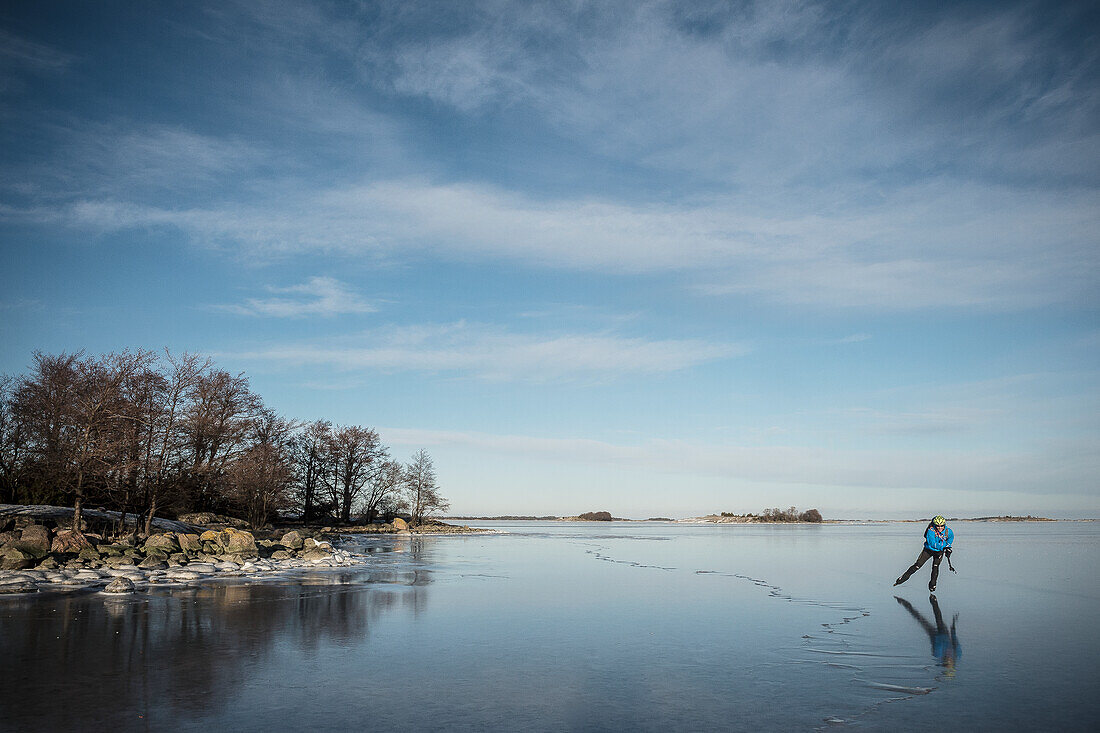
790 515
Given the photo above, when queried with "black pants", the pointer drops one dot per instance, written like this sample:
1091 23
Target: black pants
925 553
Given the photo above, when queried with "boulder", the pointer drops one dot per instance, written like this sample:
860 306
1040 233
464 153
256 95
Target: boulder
35 539
208 536
120 585
291 540
281 555
316 555
24 586
237 542
7 538
69 541
189 543
164 543
49 563
179 558
89 553
153 562
400 524
13 558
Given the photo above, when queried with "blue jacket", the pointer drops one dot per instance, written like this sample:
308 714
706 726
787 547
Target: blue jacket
933 543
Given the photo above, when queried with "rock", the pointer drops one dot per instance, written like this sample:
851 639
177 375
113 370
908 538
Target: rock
152 563
181 574
291 540
8 537
163 543
227 567
26 586
89 553
36 538
69 541
189 543
209 536
400 524
232 558
49 563
120 584
178 557
237 542
316 555
13 558
281 555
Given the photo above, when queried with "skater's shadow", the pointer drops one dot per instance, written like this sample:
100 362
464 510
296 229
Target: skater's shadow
945 641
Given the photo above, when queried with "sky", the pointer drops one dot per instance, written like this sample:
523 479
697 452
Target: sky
653 258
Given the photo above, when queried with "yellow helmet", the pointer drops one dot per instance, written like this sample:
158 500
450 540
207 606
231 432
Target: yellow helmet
938 520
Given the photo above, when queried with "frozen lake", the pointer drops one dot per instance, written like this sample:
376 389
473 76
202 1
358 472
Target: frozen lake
589 626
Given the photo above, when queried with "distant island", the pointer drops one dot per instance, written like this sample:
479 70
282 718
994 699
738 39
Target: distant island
769 516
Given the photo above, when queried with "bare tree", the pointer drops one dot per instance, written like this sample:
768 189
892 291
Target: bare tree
218 416
260 478
72 407
353 456
13 443
166 436
421 488
308 450
384 481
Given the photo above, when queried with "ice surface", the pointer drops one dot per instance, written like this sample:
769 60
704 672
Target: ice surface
620 626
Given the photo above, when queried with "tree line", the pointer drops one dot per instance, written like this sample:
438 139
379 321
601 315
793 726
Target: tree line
161 435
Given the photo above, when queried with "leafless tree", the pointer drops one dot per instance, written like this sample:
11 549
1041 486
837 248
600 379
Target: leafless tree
421 488
260 478
72 407
354 454
384 481
308 450
12 443
217 419
166 437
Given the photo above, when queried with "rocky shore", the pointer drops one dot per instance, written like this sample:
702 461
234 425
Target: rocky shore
35 556
38 551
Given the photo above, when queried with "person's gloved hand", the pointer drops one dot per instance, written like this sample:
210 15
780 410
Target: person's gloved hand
947 552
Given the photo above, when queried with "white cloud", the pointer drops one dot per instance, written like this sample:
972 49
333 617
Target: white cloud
318 296
493 354
933 246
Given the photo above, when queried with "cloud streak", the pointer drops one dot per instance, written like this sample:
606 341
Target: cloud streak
492 354
318 296
936 249
1058 468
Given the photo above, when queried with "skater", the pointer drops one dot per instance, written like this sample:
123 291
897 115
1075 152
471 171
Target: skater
937 543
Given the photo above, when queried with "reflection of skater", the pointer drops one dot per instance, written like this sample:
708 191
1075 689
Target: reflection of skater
945 642
937 543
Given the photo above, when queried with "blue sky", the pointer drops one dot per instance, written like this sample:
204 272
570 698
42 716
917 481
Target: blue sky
653 258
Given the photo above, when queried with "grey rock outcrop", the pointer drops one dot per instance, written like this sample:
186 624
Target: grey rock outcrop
120 584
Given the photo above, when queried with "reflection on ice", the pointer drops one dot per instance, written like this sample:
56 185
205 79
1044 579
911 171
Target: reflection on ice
945 641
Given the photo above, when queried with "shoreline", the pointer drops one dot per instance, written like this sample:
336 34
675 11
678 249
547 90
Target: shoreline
39 553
